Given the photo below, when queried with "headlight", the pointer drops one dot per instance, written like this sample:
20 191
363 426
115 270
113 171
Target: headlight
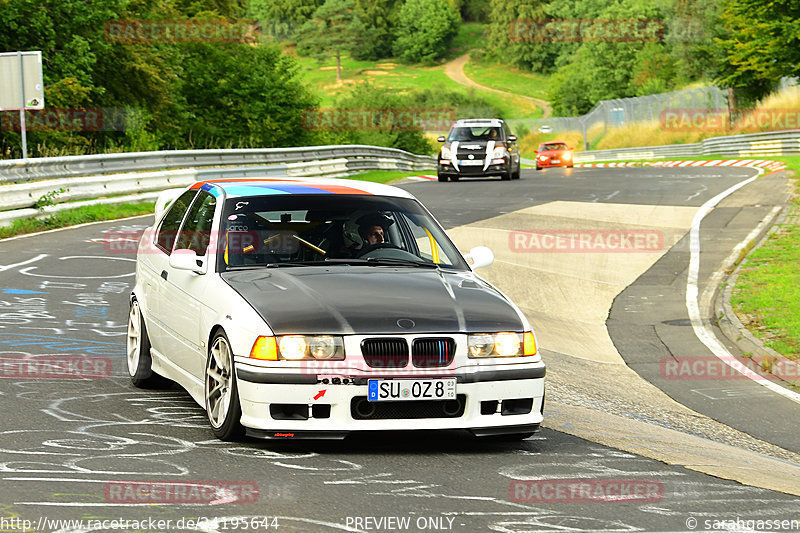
446 153
567 155
298 347
503 344
499 151
542 158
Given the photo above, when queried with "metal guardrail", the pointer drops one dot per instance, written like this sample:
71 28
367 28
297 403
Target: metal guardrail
114 178
17 170
747 145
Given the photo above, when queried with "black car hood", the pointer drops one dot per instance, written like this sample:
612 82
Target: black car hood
371 300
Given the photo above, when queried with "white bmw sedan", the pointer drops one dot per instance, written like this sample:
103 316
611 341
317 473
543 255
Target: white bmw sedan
311 308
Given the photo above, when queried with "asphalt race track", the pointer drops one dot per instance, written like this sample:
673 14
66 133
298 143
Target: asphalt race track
689 454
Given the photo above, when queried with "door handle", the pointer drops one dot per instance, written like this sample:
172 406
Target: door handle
164 274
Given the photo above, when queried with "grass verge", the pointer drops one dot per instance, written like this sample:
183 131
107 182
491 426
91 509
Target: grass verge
79 215
767 293
387 176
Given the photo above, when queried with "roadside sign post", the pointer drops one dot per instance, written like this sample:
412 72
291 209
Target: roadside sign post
21 86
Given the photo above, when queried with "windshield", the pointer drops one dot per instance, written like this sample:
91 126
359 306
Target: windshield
304 230
554 146
475 133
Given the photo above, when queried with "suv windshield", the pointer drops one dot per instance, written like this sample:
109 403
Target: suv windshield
335 229
475 133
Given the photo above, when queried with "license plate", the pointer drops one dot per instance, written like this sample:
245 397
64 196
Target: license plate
555 161
471 163
382 390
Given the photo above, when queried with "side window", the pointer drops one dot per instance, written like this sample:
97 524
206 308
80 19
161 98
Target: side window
427 245
172 221
196 231
507 130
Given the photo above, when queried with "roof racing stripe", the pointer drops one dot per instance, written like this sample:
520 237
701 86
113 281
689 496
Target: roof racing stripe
277 186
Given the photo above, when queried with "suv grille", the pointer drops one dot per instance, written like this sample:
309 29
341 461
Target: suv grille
385 353
432 353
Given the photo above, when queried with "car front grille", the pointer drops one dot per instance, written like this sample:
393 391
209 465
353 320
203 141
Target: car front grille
362 409
385 353
432 353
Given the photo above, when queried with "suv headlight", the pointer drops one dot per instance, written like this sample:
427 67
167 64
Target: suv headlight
499 152
446 153
503 344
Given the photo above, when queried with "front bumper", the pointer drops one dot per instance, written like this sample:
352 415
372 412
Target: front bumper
553 162
473 171
497 401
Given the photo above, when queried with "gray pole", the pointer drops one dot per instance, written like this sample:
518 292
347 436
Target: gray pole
22 108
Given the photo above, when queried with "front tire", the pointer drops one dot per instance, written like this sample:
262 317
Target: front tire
138 350
441 178
221 392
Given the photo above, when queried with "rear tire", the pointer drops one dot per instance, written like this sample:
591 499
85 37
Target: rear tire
138 351
221 392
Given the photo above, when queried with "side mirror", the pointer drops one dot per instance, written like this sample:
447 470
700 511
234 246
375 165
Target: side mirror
184 259
440 138
512 138
479 257
536 151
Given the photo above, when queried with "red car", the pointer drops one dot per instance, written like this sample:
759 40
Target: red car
554 154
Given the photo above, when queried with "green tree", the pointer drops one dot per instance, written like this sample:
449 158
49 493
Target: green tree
425 29
282 18
374 28
760 44
243 96
330 31
605 68
510 38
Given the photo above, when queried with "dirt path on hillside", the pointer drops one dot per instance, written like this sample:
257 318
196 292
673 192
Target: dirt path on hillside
455 71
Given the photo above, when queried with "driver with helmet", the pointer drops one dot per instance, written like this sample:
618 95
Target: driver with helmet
366 232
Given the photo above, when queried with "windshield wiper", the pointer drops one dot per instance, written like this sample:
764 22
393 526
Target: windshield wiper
395 261
378 261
